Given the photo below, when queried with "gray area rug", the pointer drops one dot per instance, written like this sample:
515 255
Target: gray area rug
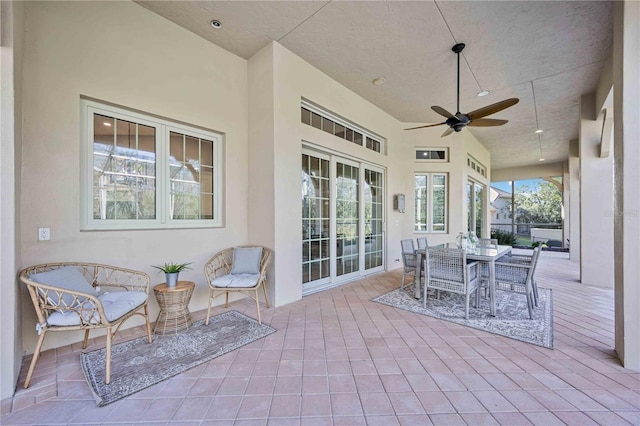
138 364
511 320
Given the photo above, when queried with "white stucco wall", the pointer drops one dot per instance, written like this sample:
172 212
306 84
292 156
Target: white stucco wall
626 63
596 198
278 80
121 53
11 25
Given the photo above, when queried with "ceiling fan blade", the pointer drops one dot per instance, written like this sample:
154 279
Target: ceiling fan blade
447 132
493 108
487 122
443 112
428 125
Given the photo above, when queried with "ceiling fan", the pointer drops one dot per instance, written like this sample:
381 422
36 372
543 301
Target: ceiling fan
475 118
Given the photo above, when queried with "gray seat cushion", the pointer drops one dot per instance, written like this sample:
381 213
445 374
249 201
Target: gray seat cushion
236 281
115 305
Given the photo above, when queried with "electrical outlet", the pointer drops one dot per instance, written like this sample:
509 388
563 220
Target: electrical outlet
44 234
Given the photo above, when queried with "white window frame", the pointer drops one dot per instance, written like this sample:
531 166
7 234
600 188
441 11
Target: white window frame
347 124
432 160
429 212
162 126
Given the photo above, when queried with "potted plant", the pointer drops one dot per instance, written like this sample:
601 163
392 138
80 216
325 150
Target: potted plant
171 271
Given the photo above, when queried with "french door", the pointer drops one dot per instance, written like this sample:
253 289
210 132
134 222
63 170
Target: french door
475 207
342 220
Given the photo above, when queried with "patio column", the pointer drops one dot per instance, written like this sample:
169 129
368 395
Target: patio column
626 65
596 199
573 185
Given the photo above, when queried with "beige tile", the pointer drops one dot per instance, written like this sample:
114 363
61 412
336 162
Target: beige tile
338 358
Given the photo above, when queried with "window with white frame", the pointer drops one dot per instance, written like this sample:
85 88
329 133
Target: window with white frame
432 155
431 193
141 171
319 118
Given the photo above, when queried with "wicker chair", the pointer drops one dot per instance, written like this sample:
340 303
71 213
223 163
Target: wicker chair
526 260
447 269
219 274
409 260
422 242
518 277
84 296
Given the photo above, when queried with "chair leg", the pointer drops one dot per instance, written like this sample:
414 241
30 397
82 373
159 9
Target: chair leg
530 303
266 297
209 307
146 318
34 360
536 296
226 305
258 306
107 378
86 339
402 283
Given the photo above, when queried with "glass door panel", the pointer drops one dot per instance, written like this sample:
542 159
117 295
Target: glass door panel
315 218
342 236
347 221
475 207
479 205
373 220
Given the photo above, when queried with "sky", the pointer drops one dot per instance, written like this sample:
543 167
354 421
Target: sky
506 186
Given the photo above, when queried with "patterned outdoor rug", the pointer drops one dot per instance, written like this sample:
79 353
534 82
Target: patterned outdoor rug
511 320
138 364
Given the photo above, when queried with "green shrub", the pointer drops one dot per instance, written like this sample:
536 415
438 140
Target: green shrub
504 238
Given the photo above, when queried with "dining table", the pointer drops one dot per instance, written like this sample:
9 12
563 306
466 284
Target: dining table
484 254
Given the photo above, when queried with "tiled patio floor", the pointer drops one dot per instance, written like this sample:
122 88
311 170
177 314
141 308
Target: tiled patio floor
338 358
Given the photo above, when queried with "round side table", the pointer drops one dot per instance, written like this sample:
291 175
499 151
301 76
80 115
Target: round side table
174 315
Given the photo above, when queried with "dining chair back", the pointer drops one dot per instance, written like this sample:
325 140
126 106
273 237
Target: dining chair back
518 278
447 269
422 242
409 260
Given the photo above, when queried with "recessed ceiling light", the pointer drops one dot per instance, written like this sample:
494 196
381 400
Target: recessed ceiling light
216 24
542 159
378 81
483 93
539 131
106 123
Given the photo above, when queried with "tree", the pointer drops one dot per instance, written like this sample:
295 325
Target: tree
542 204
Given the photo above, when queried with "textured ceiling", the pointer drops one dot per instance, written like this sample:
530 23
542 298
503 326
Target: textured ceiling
547 54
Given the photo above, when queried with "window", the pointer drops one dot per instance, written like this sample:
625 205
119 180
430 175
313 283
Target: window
476 166
432 154
324 120
145 172
431 202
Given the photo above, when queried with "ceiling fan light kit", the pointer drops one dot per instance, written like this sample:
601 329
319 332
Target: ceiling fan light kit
475 118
